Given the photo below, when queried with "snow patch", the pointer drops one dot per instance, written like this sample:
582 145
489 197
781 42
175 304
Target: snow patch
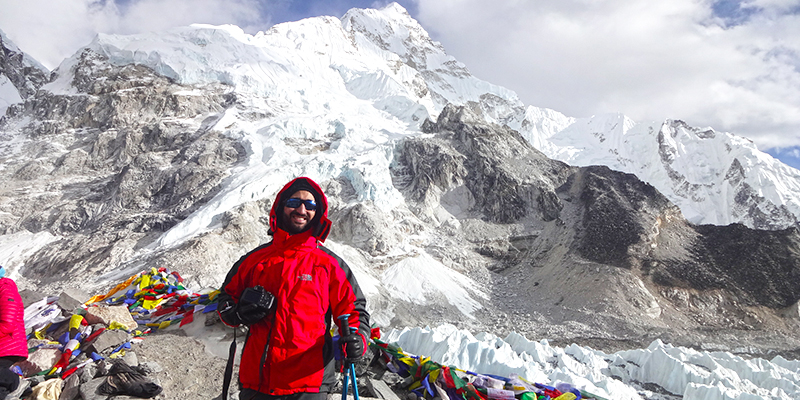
417 279
8 94
15 248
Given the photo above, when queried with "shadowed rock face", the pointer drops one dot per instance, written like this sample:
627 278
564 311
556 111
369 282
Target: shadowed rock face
619 212
760 267
27 79
507 177
119 162
622 222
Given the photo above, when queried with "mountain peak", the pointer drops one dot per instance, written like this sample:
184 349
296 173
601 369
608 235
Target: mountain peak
20 74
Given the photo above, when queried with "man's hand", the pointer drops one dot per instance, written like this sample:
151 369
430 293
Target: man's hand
227 312
249 314
353 346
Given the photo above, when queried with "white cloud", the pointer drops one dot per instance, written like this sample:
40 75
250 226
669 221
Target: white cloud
45 29
53 30
649 60
779 6
153 15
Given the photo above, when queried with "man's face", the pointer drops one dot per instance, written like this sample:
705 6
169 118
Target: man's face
297 219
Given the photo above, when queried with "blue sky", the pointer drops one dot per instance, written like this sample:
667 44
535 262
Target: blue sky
283 11
731 65
732 11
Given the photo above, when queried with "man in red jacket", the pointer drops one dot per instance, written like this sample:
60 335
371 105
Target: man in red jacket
288 292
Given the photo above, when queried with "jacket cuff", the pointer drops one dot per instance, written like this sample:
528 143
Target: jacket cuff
228 315
363 341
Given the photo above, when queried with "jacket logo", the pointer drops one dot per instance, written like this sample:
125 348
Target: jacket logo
304 277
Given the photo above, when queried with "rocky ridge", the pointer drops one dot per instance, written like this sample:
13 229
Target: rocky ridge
26 74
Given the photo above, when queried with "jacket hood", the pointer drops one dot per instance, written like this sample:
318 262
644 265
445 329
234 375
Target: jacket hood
320 225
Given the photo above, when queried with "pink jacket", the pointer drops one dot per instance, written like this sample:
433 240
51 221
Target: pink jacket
12 321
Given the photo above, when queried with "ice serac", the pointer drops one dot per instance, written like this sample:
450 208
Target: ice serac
667 371
533 361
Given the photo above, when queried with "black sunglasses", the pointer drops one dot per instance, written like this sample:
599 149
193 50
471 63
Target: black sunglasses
295 202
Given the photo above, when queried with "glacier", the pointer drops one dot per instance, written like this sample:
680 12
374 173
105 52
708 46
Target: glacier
625 375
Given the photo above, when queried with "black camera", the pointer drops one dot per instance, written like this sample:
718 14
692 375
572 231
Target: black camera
255 303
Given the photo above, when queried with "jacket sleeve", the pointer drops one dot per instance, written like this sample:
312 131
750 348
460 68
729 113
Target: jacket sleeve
10 306
347 298
229 294
235 283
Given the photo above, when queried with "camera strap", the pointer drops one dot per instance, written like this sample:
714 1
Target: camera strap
226 380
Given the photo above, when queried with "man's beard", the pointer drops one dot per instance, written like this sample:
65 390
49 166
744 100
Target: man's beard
293 229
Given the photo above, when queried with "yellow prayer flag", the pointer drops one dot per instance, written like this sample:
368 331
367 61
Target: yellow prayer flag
145 282
75 321
117 325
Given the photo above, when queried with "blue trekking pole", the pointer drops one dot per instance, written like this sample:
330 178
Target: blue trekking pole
350 368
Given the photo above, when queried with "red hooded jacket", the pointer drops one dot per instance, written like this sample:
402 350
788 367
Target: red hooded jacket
12 321
291 351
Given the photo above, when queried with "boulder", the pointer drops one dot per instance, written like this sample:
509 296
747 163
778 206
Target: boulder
72 388
381 390
108 339
30 296
68 303
89 389
42 360
109 314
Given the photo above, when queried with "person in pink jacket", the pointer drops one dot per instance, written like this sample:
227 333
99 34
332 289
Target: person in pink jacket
13 343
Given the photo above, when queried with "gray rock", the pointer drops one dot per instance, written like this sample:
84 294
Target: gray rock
30 296
36 379
381 390
103 366
151 367
130 358
89 390
71 389
88 372
108 339
44 359
68 302
107 314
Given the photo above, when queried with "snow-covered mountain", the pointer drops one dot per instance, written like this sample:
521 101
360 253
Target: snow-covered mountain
387 60
322 97
715 178
166 149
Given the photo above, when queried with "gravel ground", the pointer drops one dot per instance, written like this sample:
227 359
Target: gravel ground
188 368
